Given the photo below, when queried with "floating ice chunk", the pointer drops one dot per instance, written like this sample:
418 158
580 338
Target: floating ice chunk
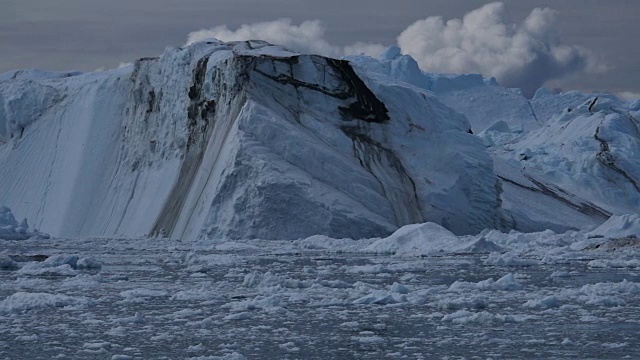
544 303
483 317
335 284
10 229
196 348
608 294
624 287
399 288
143 293
592 319
238 316
57 260
350 325
232 356
416 240
614 263
88 263
505 283
96 345
259 280
508 259
603 294
121 357
368 339
6 263
43 269
24 301
289 347
466 302
272 304
480 246
381 297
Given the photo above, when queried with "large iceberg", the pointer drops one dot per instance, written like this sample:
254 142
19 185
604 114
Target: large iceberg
239 140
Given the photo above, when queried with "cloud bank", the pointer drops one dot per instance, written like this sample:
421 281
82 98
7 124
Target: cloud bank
484 41
308 37
522 55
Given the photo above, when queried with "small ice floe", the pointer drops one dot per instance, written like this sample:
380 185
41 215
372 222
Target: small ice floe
483 317
6 263
544 303
141 294
505 283
61 265
25 301
10 229
135 319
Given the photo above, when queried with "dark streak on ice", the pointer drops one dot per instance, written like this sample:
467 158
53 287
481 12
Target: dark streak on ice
607 159
584 208
200 115
364 106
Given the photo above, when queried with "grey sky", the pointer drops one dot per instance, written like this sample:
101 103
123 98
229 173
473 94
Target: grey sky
86 34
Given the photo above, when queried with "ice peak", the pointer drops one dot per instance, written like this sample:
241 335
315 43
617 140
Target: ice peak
391 53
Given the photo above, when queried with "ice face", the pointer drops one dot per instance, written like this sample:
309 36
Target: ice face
242 140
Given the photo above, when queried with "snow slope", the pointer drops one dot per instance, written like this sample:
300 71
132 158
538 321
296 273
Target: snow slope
592 151
238 140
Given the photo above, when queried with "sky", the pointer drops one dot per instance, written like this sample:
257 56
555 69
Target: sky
585 44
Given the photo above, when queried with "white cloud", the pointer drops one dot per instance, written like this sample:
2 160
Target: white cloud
522 55
628 95
308 37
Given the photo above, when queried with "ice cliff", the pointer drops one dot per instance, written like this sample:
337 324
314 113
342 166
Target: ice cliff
564 160
239 140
